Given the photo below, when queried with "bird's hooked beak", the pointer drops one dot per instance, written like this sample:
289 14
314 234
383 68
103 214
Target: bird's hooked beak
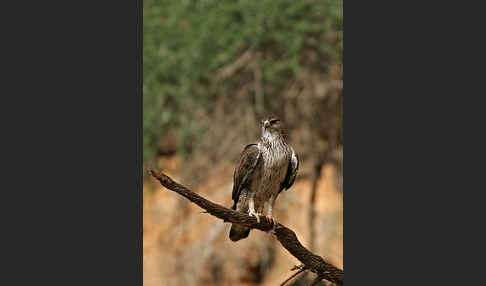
266 123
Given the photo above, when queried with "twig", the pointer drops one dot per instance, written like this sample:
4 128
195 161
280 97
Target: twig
301 269
284 235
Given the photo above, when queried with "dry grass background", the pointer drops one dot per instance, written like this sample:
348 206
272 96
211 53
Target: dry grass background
183 246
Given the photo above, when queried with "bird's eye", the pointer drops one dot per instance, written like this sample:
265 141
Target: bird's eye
273 121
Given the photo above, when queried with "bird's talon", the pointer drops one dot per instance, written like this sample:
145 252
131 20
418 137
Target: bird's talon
256 215
270 219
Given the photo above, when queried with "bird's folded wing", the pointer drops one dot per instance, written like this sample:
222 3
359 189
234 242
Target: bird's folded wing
291 171
248 161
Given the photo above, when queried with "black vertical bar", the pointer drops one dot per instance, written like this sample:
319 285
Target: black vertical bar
139 103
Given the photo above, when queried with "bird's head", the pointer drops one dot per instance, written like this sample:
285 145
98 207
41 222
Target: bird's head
272 126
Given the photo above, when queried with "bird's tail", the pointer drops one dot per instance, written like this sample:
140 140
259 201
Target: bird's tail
238 232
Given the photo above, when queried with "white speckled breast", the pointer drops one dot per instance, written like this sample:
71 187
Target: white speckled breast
276 156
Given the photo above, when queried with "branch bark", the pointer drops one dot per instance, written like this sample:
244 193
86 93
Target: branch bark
287 238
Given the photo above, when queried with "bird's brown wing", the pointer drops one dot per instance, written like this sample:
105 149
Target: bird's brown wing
243 172
291 172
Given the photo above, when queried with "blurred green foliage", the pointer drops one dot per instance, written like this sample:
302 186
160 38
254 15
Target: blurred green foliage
186 42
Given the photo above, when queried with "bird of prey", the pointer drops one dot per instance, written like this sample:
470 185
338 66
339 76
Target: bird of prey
264 170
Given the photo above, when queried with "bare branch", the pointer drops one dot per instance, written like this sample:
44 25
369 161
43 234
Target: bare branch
284 235
239 63
301 268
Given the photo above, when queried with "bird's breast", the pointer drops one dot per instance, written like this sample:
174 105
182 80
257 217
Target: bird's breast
275 165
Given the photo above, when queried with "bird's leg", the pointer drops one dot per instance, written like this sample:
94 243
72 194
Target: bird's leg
251 209
271 202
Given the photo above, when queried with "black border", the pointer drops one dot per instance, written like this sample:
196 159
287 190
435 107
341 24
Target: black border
70 119
139 139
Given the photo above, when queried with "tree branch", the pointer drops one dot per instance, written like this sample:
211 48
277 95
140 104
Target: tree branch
284 235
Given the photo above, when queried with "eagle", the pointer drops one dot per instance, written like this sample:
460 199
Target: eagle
265 169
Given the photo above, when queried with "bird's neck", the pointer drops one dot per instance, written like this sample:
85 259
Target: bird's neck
271 141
